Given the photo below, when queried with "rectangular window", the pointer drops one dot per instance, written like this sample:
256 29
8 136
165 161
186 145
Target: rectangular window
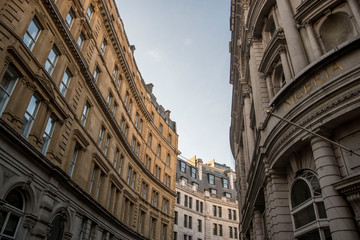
32 34
115 73
201 207
69 18
229 214
159 151
149 140
235 233
126 130
129 175
220 211
182 167
141 221
214 229
169 138
176 218
51 60
220 230
85 113
30 115
65 82
98 187
144 190
225 183
140 125
168 160
230 232
133 180
73 161
152 228
110 97
96 74
190 202
120 163
186 201
116 157
199 225
211 179
129 107
154 198
92 179
80 41
101 136
214 210
133 144
107 143
119 82
234 215
89 12
213 191
163 235
114 109
190 222
165 205
197 205
7 85
185 220
49 129
161 128
228 195
103 47
193 172
178 195
137 152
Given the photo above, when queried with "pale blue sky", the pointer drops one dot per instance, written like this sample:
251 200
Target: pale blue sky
182 47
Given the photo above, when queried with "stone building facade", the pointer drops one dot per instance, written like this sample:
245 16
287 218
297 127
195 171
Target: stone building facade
86 152
206 205
295 133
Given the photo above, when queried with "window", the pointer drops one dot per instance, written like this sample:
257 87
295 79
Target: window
89 12
169 138
201 206
199 225
11 212
110 97
144 190
65 82
149 140
103 47
185 220
96 74
165 205
168 160
164 229
214 210
228 195
120 163
235 233
234 215
129 175
220 230
57 227
129 107
30 115
140 125
141 221
230 232
113 111
182 167
186 201
49 129
161 128
229 214
32 34
178 195
211 179
220 211
152 228
307 206
119 82
185 179
7 85
107 143
154 198
101 136
215 232
69 18
225 183
98 187
126 130
190 202
213 191
80 41
133 144
159 151
196 185
190 222
73 160
193 172
85 113
116 157
51 60
176 218
126 98
133 180
115 73
147 162
197 205
136 120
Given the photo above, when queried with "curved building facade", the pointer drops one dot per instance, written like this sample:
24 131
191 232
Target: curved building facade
206 205
295 133
86 152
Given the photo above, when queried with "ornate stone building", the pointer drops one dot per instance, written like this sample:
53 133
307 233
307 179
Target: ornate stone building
206 205
295 133
86 152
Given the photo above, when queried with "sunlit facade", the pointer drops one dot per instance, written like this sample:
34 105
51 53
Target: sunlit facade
86 152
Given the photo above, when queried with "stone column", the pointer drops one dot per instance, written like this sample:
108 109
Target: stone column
269 86
277 191
292 35
258 225
355 8
285 65
341 221
242 176
316 49
247 122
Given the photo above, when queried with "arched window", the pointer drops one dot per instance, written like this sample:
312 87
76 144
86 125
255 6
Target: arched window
11 214
57 227
336 29
278 78
307 207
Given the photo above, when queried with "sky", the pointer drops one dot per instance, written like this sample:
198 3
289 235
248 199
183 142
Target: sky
182 47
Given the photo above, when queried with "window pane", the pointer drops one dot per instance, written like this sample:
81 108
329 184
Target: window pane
311 236
31 34
65 83
304 217
11 225
300 193
7 84
321 210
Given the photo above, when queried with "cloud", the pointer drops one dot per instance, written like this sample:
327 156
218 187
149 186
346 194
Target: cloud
154 55
187 42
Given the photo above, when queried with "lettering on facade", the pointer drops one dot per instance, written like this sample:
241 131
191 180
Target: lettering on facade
310 85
